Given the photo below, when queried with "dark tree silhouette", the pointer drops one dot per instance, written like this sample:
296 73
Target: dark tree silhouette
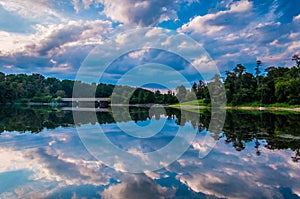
296 58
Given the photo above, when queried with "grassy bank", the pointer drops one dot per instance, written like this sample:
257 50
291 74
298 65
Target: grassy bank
193 103
191 106
199 104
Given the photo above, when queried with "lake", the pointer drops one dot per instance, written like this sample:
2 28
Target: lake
45 153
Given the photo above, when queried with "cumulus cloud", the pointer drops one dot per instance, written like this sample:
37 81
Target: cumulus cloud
137 12
231 31
39 11
66 43
213 23
143 13
74 33
297 17
144 46
243 34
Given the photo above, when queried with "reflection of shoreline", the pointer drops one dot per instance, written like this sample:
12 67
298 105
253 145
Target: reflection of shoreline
248 108
264 108
38 104
140 105
241 126
85 109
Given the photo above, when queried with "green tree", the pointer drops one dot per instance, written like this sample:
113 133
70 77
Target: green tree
240 85
53 86
257 71
190 96
296 58
201 90
194 87
67 86
216 90
60 93
181 92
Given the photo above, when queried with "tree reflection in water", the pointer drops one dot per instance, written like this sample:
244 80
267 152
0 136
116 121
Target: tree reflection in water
279 130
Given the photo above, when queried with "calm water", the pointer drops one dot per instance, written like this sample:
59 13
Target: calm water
257 155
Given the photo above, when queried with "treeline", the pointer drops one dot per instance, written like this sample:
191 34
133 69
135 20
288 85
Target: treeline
123 94
25 88
37 88
279 85
275 85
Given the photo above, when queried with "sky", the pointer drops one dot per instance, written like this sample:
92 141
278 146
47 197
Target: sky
54 37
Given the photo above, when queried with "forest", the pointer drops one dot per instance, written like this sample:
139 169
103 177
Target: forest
23 88
273 85
278 85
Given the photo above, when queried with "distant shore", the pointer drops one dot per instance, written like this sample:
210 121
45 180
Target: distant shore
193 108
248 108
262 108
37 103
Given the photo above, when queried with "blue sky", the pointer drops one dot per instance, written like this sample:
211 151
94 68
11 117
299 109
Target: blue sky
53 37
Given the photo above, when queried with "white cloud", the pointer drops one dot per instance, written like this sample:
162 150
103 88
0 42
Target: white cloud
231 37
38 10
138 54
53 48
242 35
294 47
77 5
296 18
199 25
294 35
203 24
60 68
79 32
87 3
143 13
14 42
152 175
8 66
154 32
48 38
241 6
232 33
53 61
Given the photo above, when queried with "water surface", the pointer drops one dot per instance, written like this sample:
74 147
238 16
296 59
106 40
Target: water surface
42 156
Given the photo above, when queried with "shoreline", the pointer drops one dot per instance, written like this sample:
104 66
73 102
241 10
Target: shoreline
263 108
184 107
246 108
